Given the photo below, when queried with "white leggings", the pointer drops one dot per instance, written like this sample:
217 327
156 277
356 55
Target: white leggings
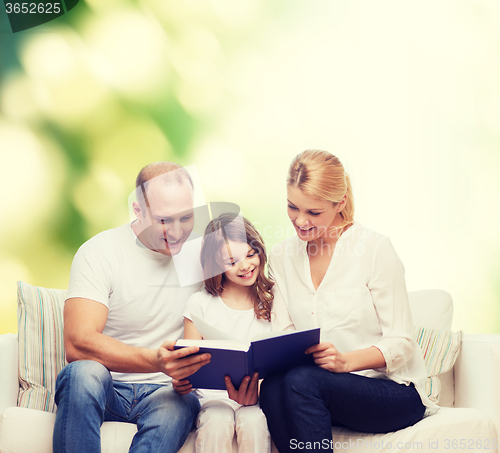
217 422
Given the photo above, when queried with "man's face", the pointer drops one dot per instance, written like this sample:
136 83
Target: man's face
168 221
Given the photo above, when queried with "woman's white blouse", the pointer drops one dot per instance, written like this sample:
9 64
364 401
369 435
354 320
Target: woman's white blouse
361 302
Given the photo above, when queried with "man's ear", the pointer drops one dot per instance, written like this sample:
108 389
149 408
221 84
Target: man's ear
137 209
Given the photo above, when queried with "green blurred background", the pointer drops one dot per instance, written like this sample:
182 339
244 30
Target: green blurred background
405 93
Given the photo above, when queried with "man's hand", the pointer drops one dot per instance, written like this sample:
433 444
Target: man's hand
247 394
179 363
182 387
328 357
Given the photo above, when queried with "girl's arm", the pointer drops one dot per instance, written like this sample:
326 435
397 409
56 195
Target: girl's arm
190 331
184 387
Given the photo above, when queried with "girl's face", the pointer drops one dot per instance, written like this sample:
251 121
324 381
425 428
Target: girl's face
312 218
241 263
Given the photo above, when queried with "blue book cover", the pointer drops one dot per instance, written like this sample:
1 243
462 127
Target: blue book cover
279 352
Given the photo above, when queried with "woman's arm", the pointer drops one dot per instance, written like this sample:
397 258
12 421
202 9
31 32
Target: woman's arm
387 287
389 296
280 318
328 357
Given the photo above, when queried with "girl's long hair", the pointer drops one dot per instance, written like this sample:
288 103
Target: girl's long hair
231 227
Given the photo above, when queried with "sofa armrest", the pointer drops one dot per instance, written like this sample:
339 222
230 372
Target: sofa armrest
9 382
477 372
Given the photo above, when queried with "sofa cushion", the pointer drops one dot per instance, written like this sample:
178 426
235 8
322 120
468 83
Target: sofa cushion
16 422
432 308
41 344
440 429
440 350
448 430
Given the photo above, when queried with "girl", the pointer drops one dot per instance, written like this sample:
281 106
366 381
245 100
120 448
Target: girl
348 280
237 300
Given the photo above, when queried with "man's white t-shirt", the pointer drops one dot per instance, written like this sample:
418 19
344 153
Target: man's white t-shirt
140 287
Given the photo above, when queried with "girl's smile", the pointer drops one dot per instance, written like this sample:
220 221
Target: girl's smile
241 263
249 274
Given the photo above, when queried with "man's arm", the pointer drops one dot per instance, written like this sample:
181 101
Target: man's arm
84 321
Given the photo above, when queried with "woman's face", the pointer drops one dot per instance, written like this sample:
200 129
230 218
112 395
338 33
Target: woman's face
313 218
241 263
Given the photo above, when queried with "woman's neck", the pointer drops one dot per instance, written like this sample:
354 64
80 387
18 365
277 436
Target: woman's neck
237 297
329 238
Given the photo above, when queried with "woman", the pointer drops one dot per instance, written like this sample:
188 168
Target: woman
348 280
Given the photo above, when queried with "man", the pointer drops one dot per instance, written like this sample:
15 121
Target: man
124 300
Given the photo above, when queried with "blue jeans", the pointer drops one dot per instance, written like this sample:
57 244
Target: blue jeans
86 396
303 405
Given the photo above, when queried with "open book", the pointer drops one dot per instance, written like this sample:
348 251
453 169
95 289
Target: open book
267 353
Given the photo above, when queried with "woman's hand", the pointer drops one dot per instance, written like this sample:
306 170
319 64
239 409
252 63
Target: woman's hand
247 394
328 357
182 387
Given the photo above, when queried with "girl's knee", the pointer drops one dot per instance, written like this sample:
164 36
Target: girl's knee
215 428
250 418
251 430
216 415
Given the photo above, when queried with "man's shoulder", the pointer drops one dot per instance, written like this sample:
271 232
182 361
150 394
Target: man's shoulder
109 238
108 244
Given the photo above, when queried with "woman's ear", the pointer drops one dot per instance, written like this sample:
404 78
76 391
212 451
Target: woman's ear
342 203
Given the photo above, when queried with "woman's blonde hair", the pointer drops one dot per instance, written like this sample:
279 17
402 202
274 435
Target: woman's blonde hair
321 175
220 230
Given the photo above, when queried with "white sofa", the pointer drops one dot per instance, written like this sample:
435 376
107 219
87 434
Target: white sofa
470 390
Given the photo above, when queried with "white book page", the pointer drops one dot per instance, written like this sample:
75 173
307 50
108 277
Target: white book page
266 335
216 344
209 332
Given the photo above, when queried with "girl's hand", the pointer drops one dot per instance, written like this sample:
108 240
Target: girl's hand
328 357
247 394
182 387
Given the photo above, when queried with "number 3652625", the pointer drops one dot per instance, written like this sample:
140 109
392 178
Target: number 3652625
33 8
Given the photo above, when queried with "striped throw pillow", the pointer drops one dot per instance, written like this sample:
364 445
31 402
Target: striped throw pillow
440 349
41 346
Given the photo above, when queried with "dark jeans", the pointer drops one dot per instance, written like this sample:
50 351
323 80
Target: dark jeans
303 405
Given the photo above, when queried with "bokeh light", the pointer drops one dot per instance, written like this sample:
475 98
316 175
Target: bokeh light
129 52
406 94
